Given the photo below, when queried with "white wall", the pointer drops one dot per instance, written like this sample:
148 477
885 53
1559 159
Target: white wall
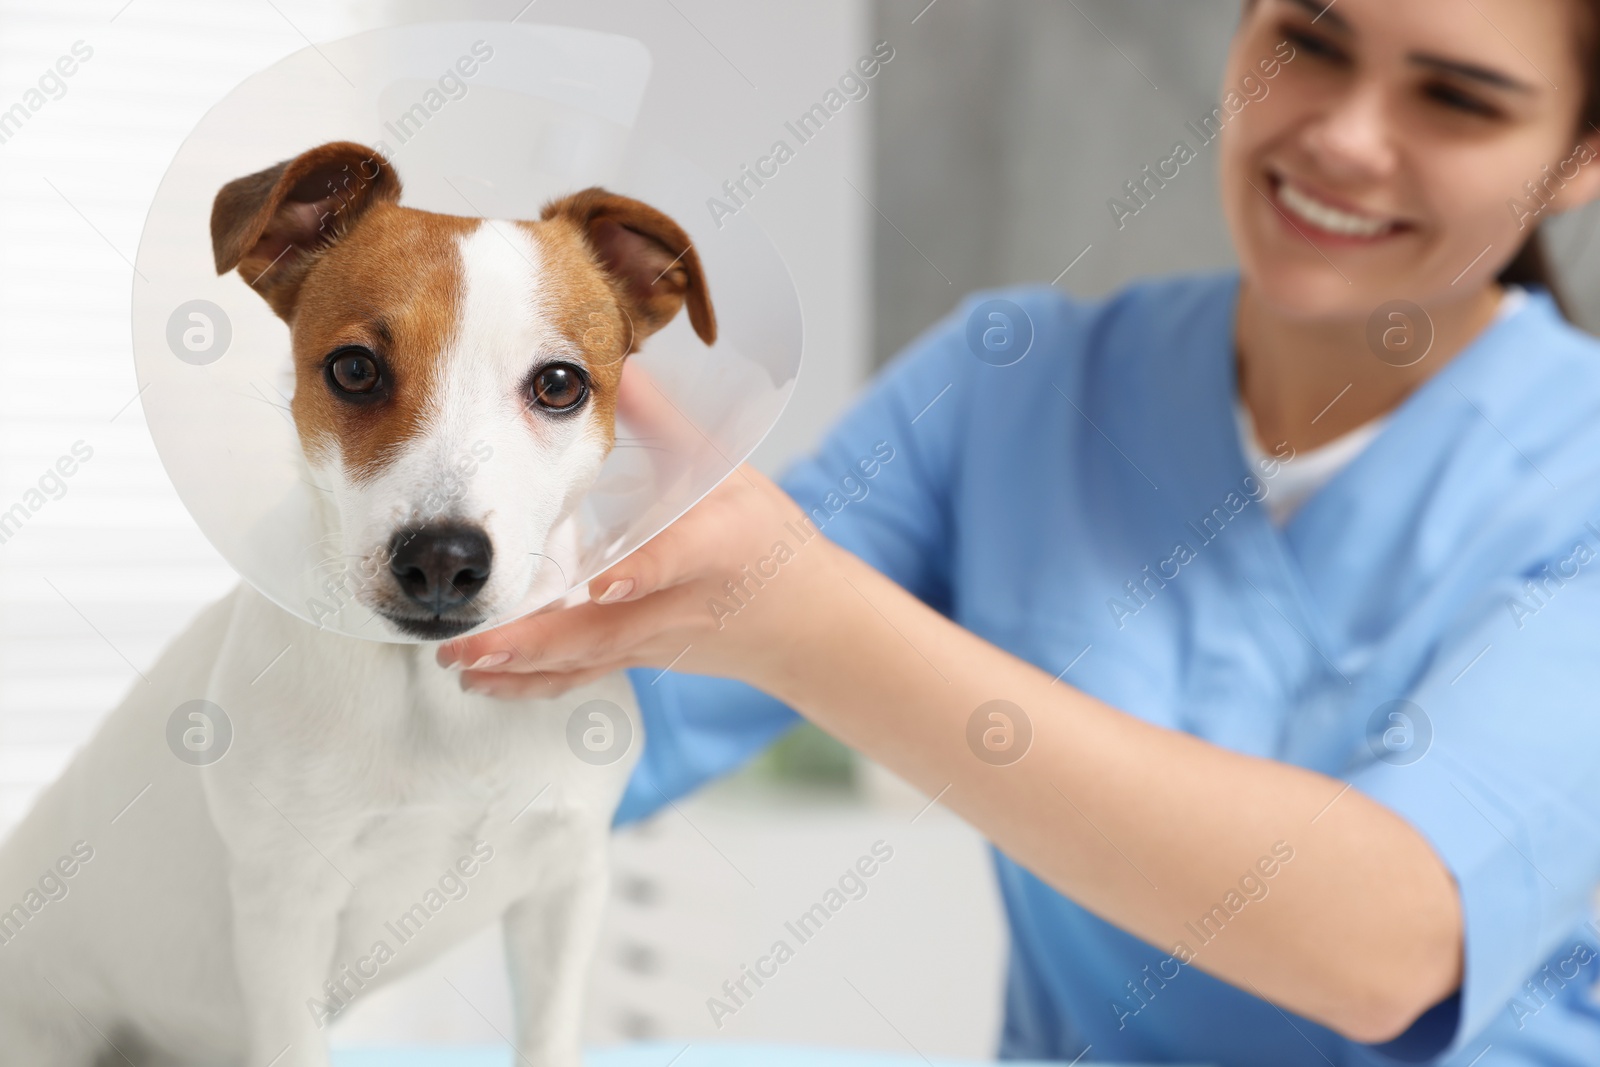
94 583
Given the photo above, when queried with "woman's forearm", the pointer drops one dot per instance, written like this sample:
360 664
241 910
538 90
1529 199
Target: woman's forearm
1149 828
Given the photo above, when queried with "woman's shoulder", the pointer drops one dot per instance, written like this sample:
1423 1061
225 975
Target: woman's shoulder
1043 326
1539 326
1533 383
1159 303
1537 369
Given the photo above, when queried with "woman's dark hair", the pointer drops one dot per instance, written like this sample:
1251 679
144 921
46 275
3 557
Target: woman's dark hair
1531 264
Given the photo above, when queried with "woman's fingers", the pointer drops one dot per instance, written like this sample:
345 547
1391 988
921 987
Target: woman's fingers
647 419
657 564
541 686
683 551
650 632
661 563
646 410
494 648
675 593
665 561
577 637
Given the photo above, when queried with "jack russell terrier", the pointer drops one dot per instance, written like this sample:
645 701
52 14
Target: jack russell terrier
368 814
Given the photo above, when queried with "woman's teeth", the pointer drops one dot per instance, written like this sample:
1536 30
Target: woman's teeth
1328 218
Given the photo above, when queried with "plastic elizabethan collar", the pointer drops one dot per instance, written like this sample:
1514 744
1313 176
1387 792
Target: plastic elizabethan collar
478 119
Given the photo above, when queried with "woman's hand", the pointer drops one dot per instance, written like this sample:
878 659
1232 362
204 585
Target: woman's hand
713 593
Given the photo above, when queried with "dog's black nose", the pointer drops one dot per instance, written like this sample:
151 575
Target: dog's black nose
440 567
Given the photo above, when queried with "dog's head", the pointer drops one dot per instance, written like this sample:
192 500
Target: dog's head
455 380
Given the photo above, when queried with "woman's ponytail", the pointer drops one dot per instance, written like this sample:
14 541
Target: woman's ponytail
1532 263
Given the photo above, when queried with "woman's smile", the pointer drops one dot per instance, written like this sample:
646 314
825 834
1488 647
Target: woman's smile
1329 221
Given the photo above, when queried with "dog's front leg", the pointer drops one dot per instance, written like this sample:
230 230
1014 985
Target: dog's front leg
286 904
551 936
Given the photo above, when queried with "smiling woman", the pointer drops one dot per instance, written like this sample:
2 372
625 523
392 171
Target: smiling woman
1436 867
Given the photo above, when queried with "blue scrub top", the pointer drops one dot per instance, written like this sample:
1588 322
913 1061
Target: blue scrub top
1088 504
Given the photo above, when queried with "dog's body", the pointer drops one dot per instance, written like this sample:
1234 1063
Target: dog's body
367 814
359 777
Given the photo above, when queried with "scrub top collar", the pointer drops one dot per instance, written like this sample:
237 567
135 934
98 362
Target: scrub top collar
1352 519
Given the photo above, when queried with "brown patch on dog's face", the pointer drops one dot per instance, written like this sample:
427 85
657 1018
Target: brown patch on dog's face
616 271
582 305
392 287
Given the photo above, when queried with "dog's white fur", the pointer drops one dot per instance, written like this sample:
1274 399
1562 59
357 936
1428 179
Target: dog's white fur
220 902
223 899
527 481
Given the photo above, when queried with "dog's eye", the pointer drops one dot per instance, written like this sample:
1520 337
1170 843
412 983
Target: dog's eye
558 387
353 369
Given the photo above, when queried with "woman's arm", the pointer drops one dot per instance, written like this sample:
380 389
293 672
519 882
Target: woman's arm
1147 827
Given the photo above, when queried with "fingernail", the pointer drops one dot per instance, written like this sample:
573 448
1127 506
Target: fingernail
617 590
493 659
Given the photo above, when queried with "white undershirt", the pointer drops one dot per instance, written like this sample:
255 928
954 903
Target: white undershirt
1296 479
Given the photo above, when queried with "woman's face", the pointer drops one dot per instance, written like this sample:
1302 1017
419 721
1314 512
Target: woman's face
1386 154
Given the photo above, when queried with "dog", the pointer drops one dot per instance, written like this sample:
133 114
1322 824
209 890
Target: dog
367 814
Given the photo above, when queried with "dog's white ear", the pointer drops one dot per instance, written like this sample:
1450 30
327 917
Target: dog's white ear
270 224
650 257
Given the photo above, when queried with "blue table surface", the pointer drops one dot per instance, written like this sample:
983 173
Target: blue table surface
649 1055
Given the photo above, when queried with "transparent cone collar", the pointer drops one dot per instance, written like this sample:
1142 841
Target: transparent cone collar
412 449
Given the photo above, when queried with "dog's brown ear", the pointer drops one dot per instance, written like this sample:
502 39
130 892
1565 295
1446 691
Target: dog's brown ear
648 254
270 224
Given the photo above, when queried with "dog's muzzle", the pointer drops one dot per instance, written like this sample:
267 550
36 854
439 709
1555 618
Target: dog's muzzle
439 568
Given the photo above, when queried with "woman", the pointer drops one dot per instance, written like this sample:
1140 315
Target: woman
1291 758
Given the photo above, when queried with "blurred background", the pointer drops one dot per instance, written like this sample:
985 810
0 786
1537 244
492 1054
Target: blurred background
985 153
